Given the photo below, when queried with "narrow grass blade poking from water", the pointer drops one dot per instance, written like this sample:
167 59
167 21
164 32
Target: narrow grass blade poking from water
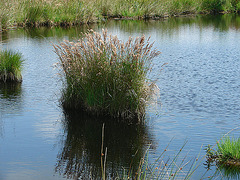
106 76
10 66
176 167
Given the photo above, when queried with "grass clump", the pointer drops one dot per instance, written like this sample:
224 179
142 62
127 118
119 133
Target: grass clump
228 152
106 76
10 66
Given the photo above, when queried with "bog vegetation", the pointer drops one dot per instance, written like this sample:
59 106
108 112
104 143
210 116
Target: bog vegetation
66 12
10 66
228 152
105 75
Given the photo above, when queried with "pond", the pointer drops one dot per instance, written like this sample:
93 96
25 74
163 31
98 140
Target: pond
199 102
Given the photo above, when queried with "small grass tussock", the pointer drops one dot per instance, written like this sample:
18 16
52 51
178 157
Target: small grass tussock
106 76
228 151
10 66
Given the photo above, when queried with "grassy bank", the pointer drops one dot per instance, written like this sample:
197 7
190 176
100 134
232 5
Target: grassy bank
10 66
105 75
66 12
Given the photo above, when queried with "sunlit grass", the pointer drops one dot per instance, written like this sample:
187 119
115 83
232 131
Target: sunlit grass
105 75
67 13
229 149
10 66
227 152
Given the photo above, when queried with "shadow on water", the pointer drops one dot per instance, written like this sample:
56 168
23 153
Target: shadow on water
81 146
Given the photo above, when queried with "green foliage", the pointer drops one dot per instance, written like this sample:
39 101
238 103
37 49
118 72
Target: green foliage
216 6
10 66
106 76
229 149
3 21
212 5
174 167
177 7
62 12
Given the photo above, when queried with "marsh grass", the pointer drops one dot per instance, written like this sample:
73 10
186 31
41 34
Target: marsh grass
10 66
74 12
175 166
229 149
227 153
162 168
106 76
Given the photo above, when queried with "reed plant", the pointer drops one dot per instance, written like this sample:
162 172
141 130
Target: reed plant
106 76
10 66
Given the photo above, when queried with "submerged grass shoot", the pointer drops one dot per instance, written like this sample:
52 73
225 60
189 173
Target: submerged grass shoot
10 66
106 76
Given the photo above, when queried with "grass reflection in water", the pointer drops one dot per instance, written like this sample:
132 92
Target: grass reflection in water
81 146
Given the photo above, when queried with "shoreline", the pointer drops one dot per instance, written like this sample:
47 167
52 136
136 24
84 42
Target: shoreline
75 24
62 13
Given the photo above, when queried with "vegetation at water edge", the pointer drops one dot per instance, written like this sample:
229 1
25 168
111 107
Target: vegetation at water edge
64 13
106 76
10 66
228 152
172 168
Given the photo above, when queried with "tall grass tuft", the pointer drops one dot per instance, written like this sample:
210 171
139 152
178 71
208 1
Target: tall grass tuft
106 76
229 149
227 153
10 66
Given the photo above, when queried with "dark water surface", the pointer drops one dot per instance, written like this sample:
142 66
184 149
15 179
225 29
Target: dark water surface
199 101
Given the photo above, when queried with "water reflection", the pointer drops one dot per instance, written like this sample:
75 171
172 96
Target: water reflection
171 25
11 97
10 100
229 171
42 33
3 36
81 146
223 170
10 91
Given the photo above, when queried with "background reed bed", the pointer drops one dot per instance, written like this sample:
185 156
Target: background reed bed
66 12
106 76
10 66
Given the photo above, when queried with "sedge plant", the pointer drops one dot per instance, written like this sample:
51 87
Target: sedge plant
10 66
229 149
105 76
